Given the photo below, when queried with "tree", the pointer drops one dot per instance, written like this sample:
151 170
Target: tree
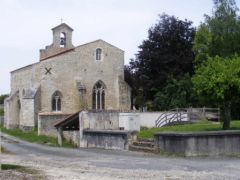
219 35
166 53
202 43
2 97
177 93
218 80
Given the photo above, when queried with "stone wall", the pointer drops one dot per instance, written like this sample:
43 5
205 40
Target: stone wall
103 120
80 65
107 139
111 120
27 113
148 119
25 78
129 121
20 107
12 111
125 95
46 123
214 143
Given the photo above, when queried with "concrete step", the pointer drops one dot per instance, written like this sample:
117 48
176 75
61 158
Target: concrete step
142 149
143 144
145 139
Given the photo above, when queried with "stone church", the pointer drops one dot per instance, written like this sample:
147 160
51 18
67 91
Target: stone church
67 79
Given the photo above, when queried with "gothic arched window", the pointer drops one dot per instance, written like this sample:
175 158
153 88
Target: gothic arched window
98 96
98 54
56 101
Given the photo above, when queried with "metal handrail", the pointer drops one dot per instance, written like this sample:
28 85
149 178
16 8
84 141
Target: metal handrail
174 114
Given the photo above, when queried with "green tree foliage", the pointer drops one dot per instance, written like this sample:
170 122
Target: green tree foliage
1 112
218 80
2 97
202 41
219 35
177 93
166 53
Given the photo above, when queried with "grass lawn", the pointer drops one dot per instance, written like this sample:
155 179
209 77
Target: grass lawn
32 136
201 126
21 169
17 168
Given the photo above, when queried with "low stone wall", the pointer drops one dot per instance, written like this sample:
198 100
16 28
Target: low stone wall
46 124
213 143
107 139
103 120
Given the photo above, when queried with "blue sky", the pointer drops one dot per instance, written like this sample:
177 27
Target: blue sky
26 25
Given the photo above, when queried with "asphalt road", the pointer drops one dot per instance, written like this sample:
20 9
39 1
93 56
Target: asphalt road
108 164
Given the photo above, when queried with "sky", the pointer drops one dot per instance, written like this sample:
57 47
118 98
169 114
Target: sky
26 25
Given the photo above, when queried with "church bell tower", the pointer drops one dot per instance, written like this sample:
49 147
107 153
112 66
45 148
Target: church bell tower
62 41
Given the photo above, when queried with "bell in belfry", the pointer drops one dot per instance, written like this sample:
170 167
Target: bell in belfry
63 41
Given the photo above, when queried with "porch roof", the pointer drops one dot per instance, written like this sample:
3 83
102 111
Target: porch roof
70 123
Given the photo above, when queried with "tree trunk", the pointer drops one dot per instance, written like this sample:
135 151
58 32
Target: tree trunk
227 115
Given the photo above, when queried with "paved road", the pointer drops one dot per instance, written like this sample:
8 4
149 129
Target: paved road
66 163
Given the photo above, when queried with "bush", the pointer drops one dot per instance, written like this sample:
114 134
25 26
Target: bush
1 112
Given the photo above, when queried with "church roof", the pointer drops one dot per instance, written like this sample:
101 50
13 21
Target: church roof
102 41
69 50
63 52
24 67
63 24
69 123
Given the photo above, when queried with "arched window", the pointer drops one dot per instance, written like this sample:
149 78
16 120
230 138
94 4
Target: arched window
98 96
62 39
56 101
98 54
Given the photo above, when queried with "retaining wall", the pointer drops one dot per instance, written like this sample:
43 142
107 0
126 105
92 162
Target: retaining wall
107 139
214 143
148 119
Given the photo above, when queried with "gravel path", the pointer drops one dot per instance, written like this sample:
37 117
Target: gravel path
92 164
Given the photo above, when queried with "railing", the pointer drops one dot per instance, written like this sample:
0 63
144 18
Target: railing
195 114
187 114
173 115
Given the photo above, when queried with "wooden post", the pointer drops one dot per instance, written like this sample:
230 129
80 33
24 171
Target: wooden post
204 112
60 136
177 115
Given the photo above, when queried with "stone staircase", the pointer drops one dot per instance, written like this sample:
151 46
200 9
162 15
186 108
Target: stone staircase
143 145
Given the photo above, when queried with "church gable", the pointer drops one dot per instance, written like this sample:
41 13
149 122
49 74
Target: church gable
101 42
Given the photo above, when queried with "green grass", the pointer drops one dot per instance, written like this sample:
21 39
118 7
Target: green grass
201 126
3 150
32 136
18 168
10 166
